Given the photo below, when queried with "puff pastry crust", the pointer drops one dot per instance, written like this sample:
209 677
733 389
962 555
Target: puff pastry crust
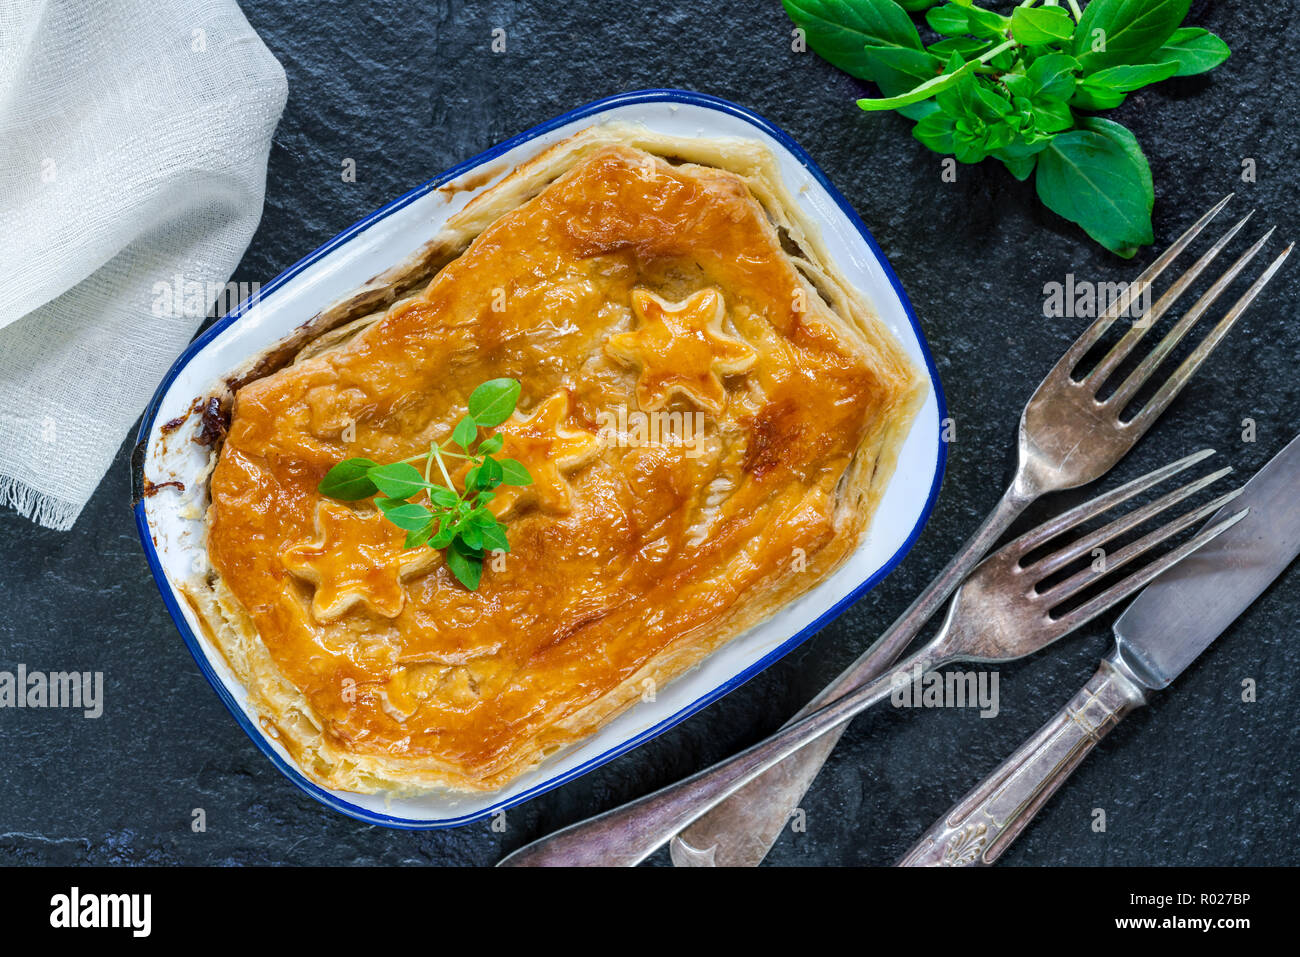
621 276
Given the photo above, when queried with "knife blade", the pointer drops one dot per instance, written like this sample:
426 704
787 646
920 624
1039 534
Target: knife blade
1170 623
1179 614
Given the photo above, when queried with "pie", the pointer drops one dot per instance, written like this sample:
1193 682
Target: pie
709 410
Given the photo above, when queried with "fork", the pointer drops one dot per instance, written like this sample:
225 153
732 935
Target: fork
1007 609
1069 436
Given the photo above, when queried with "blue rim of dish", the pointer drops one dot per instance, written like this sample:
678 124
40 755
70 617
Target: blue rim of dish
332 800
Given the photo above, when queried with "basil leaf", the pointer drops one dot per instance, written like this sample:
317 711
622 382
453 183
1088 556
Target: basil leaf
917 111
493 402
1052 76
986 23
443 537
1017 84
1194 50
949 20
513 472
957 95
912 63
989 103
1123 137
840 30
398 480
349 480
969 139
1093 178
465 564
465 433
1129 77
1093 98
1034 26
491 444
998 135
1107 89
964 47
1019 163
956 19
935 131
899 70
408 516
1112 32
1051 116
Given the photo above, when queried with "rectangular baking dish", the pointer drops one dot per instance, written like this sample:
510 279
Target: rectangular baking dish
170 524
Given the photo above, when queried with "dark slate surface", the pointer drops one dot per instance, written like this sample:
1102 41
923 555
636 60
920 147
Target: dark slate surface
412 88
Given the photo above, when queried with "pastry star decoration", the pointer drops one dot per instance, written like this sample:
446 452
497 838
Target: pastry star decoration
549 449
680 348
355 558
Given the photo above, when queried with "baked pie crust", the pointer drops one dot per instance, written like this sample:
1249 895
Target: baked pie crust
619 275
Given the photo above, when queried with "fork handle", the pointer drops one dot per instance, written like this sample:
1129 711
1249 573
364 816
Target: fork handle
740 831
983 824
629 834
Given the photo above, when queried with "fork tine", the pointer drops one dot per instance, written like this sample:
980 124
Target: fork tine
1063 591
1138 377
1143 576
1084 545
1093 333
1119 352
1174 384
1102 503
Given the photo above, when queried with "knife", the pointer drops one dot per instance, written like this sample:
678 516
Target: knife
1163 631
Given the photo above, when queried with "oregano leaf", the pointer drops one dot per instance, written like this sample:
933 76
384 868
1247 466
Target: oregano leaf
494 538
349 480
514 472
407 516
465 563
419 536
398 480
465 433
494 401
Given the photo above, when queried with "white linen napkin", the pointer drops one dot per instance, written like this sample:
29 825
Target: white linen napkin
133 147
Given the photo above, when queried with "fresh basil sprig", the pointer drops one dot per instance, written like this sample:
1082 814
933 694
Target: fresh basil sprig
1019 87
438 514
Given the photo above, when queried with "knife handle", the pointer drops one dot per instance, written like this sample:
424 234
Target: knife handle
983 824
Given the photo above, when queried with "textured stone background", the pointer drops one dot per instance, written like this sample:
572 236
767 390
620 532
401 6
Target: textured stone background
409 89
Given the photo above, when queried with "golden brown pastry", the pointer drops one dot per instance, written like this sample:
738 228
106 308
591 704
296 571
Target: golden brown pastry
710 415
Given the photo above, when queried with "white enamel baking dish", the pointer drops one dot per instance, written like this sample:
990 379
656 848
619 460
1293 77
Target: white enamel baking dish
172 535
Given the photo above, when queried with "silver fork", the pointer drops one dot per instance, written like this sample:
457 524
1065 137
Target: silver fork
1004 611
1069 436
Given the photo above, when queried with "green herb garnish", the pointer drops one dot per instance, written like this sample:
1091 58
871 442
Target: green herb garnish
437 514
1011 87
